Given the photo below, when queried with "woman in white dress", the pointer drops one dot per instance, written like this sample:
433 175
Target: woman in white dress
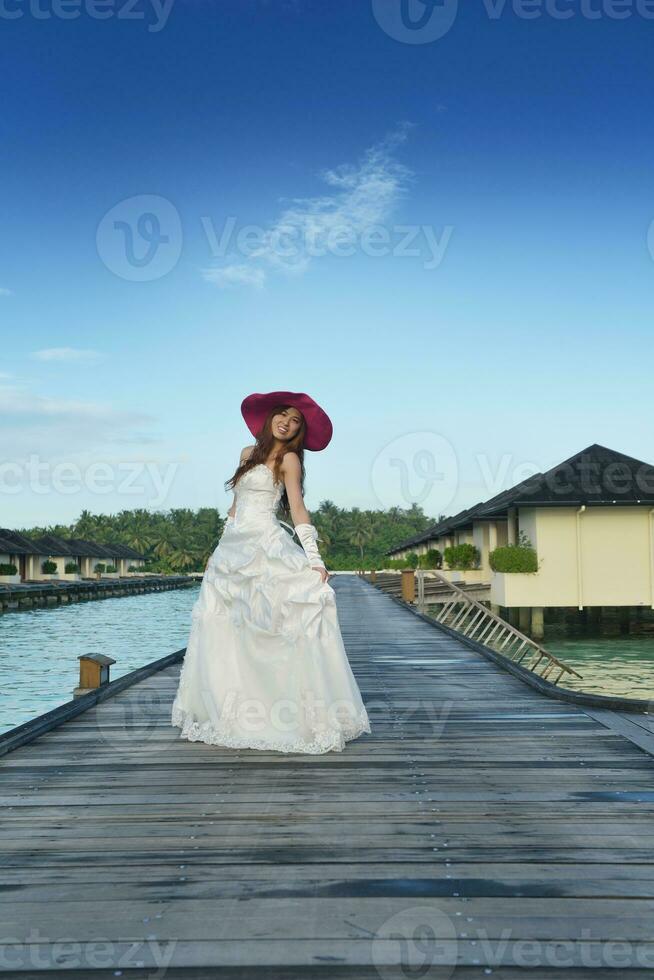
265 664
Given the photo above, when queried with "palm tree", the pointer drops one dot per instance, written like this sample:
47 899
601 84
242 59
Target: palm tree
135 531
360 530
326 533
183 556
85 525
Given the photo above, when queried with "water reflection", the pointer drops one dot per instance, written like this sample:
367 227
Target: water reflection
39 648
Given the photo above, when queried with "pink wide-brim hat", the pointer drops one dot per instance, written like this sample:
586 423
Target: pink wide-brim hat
256 407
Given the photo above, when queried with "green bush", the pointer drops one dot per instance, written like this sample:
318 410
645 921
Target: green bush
111 569
462 556
411 560
101 567
9 569
397 563
433 559
72 568
133 568
49 567
514 558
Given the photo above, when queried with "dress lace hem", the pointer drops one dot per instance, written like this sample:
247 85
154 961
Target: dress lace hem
323 741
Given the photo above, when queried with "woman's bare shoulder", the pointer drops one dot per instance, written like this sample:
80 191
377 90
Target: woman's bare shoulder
291 463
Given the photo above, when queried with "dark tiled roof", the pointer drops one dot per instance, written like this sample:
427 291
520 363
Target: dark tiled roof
50 544
89 549
123 551
595 476
17 544
11 542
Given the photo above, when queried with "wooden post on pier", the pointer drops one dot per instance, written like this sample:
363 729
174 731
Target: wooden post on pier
537 623
93 672
408 585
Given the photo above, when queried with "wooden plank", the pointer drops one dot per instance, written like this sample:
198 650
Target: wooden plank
477 806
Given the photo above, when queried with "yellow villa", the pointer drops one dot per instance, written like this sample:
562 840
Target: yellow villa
590 521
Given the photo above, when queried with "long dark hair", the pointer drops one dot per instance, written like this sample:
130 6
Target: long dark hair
262 450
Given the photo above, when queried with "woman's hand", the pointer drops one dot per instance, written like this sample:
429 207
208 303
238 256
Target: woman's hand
324 574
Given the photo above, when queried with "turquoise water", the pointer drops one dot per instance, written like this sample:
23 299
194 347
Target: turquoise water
610 665
39 648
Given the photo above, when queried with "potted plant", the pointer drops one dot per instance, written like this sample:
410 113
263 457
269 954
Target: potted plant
462 557
49 568
512 558
8 572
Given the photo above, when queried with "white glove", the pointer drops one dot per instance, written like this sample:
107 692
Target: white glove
308 535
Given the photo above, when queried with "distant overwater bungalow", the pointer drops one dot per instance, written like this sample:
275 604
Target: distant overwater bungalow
579 536
24 559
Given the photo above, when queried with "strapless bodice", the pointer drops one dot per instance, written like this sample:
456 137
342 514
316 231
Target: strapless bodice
257 494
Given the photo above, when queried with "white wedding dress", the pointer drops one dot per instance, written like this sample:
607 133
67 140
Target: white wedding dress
265 664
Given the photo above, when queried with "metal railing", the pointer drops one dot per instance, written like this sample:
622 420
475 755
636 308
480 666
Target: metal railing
474 621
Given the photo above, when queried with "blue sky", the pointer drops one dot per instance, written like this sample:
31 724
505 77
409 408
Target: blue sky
511 156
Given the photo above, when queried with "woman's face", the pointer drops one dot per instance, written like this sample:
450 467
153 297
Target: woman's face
286 423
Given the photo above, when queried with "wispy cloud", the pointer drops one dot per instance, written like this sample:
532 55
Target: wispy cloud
66 355
363 196
60 425
5 292
235 275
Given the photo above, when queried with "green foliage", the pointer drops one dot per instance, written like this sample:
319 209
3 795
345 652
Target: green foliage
71 568
514 558
411 560
8 569
49 567
182 540
111 569
432 559
133 568
462 556
100 567
174 541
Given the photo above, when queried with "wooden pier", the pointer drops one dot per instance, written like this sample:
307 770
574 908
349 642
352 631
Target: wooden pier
481 829
35 595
